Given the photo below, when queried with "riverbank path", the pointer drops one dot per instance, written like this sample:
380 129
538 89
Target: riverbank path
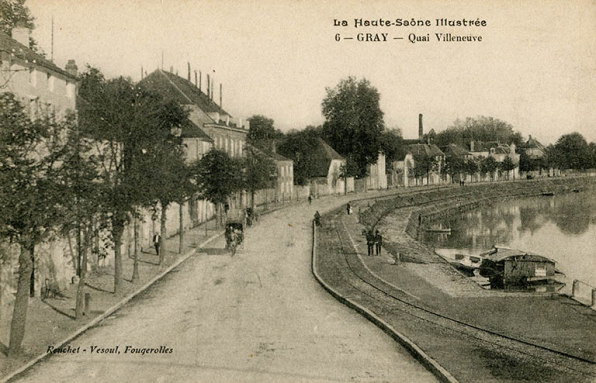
257 317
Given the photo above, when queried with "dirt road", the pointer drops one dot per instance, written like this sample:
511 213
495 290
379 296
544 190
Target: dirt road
257 317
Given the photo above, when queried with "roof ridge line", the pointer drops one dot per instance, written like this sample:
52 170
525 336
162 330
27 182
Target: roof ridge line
175 86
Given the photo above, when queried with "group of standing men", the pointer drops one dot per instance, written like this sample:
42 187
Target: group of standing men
374 242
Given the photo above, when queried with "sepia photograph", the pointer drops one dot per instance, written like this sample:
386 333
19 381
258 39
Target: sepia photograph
298 191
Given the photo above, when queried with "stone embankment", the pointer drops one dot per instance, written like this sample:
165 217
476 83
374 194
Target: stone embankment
426 207
477 335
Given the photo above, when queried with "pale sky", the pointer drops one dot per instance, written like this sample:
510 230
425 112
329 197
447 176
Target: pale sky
535 68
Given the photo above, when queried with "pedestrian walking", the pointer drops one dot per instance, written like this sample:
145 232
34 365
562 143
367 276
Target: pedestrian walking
378 242
349 209
157 242
310 199
370 241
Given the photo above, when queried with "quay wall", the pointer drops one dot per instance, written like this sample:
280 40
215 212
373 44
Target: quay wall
431 205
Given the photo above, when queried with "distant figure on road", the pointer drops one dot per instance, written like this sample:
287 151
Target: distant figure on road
156 242
349 209
378 242
309 199
317 218
370 241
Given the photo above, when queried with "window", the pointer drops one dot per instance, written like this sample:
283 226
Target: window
51 81
70 90
540 271
33 108
32 76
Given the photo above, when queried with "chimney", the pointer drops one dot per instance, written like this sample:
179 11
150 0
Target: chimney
208 85
220 95
200 81
72 69
420 128
212 87
188 71
196 82
21 33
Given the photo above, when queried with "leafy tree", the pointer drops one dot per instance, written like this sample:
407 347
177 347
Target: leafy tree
259 171
354 121
454 166
392 144
508 165
471 167
77 185
488 165
299 146
28 196
15 13
573 152
262 130
217 177
462 132
125 122
424 165
163 163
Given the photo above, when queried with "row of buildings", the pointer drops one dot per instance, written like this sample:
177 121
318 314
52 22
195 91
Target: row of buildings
43 87
401 172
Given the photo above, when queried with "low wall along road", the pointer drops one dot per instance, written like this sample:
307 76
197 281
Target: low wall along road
474 334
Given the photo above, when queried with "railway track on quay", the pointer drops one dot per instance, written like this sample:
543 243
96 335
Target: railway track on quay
469 352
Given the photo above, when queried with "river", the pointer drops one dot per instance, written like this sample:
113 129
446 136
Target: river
560 227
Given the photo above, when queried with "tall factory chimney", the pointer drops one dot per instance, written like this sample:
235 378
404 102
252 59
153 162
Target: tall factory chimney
420 128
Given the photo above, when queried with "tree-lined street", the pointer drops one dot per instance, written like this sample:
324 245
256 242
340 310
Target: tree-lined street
257 317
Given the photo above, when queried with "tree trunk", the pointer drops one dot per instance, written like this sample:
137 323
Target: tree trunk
181 236
117 233
19 316
252 200
135 265
83 277
163 221
32 282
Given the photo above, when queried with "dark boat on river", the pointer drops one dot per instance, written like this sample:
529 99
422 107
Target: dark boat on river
511 268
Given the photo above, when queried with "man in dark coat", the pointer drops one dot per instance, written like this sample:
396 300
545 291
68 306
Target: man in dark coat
378 242
156 242
370 241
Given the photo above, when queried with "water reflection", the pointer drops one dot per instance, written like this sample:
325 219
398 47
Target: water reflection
562 227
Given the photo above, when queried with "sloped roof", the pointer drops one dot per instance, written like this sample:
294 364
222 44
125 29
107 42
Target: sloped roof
455 150
425 149
486 146
175 87
502 253
268 153
331 153
533 143
22 52
194 131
